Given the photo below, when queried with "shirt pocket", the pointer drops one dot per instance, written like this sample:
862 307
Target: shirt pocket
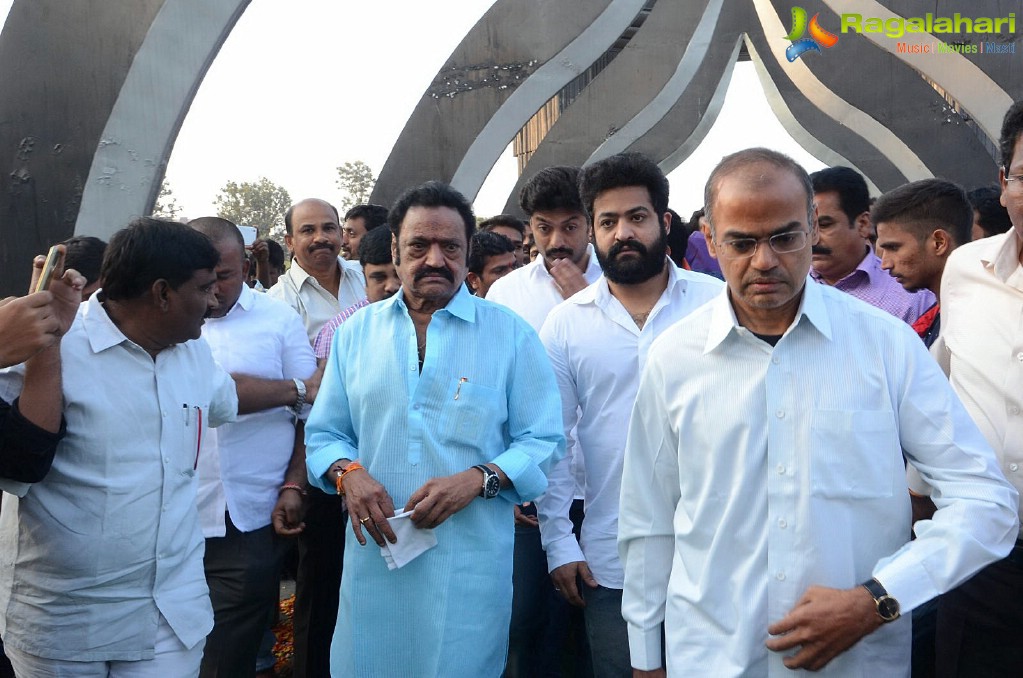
853 454
194 442
471 413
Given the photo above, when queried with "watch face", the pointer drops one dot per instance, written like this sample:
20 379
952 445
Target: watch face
888 608
493 486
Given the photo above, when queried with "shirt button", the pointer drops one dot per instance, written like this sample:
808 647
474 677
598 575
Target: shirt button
1013 410
780 414
1013 467
782 524
781 469
775 359
166 460
1019 356
165 507
416 406
411 368
780 576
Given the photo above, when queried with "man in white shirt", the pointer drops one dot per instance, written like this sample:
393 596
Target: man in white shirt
764 518
254 467
319 284
101 569
640 295
981 350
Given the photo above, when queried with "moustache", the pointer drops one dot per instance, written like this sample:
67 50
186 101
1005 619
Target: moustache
443 272
820 249
328 246
555 252
626 246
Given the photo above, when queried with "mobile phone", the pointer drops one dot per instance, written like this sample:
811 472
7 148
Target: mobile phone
54 263
249 234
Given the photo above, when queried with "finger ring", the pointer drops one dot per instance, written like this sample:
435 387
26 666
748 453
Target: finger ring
363 520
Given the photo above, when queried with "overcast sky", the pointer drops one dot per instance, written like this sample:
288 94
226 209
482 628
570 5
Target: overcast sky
303 86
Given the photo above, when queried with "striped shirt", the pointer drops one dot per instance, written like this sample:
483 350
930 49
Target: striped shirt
321 347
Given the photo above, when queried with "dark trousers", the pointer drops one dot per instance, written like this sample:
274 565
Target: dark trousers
980 622
532 652
321 548
607 632
241 571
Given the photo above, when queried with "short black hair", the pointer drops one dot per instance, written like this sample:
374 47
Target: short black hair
851 187
218 229
992 217
553 188
620 170
432 194
152 249
751 156
287 215
503 220
1012 126
372 215
375 247
678 238
85 255
931 204
485 244
276 258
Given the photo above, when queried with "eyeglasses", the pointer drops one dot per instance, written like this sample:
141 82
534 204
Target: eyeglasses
1012 179
781 243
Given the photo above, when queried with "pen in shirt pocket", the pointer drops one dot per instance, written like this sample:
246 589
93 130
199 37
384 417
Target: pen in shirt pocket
198 436
458 391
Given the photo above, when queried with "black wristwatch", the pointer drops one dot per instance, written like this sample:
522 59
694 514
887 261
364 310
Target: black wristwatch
491 482
887 607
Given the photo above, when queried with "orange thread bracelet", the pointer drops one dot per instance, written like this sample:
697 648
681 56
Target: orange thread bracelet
353 466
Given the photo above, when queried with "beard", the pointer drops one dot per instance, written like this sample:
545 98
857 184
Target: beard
633 271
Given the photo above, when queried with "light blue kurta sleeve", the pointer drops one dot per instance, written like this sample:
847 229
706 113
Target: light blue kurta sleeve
329 433
534 419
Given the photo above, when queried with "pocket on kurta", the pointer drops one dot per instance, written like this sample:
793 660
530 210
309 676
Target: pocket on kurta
473 414
853 453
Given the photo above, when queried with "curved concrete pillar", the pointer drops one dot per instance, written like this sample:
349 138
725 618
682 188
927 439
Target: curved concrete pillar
132 153
519 55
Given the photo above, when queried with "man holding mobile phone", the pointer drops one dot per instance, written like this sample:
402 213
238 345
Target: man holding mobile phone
31 328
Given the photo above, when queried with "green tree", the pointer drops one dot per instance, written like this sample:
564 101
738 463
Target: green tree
166 205
259 203
356 180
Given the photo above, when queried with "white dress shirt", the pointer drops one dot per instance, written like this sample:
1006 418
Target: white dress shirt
531 292
315 304
92 555
242 466
598 380
752 473
981 342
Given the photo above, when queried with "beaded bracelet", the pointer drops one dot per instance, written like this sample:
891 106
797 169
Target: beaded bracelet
353 466
293 486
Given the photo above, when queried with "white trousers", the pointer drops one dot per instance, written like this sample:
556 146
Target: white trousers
171 658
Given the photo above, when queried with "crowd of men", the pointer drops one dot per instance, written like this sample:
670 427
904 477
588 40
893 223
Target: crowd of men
787 435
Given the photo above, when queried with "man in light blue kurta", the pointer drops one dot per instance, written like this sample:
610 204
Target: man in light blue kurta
420 395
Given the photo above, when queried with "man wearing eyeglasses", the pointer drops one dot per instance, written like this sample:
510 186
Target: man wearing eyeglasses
981 349
764 521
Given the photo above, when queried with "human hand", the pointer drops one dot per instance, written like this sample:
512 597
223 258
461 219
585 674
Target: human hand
567 276
823 624
566 580
440 498
369 507
287 513
525 519
312 384
260 250
37 321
